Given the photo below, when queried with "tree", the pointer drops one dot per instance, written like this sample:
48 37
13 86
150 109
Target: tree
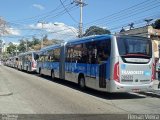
1 43
3 26
11 48
94 30
156 24
5 55
22 46
47 42
35 41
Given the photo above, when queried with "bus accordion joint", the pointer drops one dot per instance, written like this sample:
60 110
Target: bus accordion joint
116 72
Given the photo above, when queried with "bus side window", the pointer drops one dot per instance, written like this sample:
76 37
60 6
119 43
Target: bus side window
90 52
67 57
104 48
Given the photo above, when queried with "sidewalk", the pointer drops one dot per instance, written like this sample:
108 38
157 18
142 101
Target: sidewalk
156 82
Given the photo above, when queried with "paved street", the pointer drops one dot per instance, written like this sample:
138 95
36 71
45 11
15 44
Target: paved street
25 93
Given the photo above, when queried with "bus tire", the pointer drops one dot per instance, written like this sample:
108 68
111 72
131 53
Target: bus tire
21 68
27 69
159 85
40 72
82 83
52 75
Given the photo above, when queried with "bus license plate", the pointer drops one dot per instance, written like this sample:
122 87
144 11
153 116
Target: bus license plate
135 90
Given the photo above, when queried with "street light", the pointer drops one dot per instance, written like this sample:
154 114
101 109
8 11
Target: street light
56 24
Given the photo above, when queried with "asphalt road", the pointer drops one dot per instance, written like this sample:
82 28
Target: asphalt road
24 93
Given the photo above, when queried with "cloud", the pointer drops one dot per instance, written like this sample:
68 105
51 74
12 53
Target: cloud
16 43
38 6
12 31
9 31
57 30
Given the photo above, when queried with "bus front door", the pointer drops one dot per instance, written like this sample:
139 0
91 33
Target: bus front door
102 75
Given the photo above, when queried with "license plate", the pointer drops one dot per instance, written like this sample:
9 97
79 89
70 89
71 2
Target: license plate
135 90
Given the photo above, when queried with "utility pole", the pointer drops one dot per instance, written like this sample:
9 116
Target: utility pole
26 45
81 4
16 50
42 29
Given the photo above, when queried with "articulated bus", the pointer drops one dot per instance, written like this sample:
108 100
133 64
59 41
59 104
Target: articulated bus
111 63
11 61
27 61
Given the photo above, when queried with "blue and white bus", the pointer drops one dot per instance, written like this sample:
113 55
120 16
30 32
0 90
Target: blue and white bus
112 63
27 61
49 61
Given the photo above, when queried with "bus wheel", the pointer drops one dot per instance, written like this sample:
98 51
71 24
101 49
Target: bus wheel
40 72
82 83
52 75
27 69
159 85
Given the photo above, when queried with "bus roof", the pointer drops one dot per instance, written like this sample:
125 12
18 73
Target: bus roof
86 39
100 37
50 47
133 36
90 38
29 52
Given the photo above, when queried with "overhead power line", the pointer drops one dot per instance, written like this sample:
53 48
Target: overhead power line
137 23
128 14
119 12
60 13
136 9
68 12
43 15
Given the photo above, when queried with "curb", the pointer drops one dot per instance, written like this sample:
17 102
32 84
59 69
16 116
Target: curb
6 93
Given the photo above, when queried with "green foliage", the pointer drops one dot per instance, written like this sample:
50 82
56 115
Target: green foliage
22 45
5 55
35 43
94 30
26 45
11 49
156 25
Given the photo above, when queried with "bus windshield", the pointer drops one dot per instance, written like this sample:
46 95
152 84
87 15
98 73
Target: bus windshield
135 47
